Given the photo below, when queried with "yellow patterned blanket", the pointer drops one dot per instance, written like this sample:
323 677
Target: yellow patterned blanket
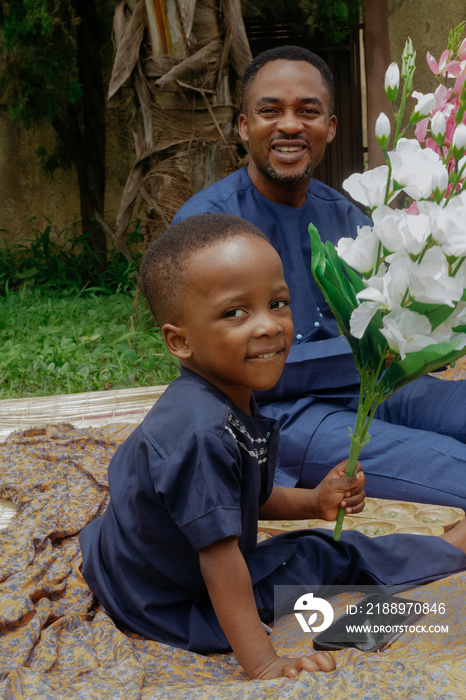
57 643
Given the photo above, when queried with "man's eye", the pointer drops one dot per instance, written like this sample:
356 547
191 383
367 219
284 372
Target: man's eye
233 313
279 303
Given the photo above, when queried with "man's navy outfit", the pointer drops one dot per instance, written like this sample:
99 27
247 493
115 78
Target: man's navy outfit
193 473
416 451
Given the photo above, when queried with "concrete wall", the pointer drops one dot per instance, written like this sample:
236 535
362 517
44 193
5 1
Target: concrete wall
388 24
428 23
26 192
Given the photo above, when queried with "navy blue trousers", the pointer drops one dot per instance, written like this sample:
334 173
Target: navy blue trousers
417 450
312 558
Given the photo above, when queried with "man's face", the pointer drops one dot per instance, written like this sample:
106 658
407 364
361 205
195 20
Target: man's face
237 320
287 124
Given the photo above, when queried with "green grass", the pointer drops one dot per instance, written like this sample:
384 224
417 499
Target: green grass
61 342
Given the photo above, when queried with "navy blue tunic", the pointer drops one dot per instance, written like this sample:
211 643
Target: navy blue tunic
193 473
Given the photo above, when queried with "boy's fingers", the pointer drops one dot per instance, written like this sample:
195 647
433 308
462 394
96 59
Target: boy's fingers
354 507
289 671
323 660
356 482
351 485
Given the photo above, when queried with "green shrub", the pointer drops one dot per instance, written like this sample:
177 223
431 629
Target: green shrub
65 260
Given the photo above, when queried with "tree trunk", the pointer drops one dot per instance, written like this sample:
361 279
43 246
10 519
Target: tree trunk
187 100
89 157
377 51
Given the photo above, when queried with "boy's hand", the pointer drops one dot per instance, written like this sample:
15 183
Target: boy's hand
339 490
290 668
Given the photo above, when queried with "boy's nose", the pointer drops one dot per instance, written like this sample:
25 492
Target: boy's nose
266 324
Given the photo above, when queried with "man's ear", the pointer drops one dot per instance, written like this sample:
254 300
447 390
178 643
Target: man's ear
176 342
332 128
243 128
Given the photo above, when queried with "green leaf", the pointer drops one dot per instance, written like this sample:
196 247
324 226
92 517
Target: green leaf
436 313
340 292
416 364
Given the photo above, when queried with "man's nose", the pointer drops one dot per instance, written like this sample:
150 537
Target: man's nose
289 122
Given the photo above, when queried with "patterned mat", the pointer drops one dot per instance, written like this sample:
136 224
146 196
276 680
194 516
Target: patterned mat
57 643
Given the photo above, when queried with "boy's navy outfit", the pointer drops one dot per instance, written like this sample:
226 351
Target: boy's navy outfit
193 473
417 449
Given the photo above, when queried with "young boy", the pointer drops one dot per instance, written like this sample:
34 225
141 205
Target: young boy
175 556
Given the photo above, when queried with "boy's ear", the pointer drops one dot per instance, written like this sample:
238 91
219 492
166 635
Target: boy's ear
175 340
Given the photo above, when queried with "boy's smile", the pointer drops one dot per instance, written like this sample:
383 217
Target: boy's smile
237 328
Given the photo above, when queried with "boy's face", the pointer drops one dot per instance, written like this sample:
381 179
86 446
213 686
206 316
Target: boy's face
237 326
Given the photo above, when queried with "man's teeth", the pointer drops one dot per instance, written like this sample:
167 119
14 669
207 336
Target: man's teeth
287 149
266 357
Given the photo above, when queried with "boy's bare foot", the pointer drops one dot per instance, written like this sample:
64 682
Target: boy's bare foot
457 535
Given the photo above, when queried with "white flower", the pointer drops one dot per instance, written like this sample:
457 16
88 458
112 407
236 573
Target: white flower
382 293
425 103
444 333
382 130
414 168
439 182
392 81
458 142
397 230
438 125
360 253
429 281
368 187
406 331
448 225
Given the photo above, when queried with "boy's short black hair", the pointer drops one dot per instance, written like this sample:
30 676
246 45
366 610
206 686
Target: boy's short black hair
164 265
288 53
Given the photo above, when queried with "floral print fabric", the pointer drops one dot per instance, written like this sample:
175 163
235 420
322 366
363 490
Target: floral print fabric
57 642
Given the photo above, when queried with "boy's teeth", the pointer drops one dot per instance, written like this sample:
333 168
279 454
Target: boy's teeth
287 149
266 357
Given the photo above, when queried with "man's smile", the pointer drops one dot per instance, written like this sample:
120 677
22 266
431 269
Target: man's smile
288 149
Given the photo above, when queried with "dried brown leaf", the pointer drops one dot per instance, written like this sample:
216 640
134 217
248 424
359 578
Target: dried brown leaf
127 54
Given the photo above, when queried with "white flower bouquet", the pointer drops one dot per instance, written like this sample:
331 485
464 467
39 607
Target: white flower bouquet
398 290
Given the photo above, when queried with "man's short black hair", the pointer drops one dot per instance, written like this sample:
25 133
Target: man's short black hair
288 53
164 267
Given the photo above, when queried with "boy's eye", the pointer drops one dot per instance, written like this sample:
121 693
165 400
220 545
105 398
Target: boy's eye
279 303
233 313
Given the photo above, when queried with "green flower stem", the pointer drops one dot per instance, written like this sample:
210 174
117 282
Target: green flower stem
458 265
455 182
368 402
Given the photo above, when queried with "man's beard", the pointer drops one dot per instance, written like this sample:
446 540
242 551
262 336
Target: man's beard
290 179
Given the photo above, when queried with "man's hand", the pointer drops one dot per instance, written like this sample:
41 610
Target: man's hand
337 490
290 668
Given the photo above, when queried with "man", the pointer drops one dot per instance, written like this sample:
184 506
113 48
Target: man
416 451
